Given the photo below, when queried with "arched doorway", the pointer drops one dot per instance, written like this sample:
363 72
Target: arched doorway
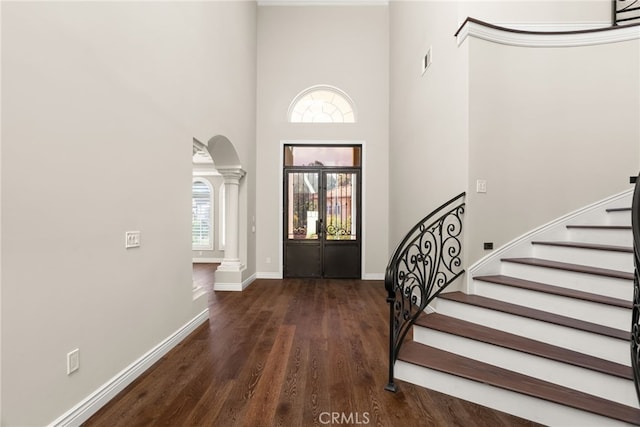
228 275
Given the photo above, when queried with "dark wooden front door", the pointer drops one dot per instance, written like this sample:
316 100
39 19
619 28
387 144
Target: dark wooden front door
322 222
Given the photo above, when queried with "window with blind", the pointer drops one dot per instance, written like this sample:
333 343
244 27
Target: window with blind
202 218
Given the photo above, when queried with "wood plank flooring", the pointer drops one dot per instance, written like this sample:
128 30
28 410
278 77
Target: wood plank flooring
287 353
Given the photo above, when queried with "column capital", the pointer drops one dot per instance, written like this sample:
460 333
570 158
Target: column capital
231 175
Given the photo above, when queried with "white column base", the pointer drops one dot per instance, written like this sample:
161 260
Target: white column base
229 279
230 265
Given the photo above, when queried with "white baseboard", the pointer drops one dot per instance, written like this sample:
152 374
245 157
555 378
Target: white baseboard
96 400
228 287
249 280
275 275
235 287
199 292
268 275
206 260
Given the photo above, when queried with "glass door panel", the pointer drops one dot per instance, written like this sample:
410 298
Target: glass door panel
303 206
341 206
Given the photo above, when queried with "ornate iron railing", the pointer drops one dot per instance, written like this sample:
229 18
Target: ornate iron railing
426 261
635 313
625 11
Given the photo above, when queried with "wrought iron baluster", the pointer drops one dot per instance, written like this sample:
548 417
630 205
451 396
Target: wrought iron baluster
635 313
625 11
426 261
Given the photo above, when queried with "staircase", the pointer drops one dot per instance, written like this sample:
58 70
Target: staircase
543 329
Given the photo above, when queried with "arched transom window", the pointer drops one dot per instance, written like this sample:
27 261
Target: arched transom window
322 104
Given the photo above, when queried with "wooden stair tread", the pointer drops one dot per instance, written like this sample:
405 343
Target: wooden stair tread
450 363
600 227
581 245
474 331
534 314
555 290
587 269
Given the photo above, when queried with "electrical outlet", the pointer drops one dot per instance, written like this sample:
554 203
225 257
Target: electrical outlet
73 361
488 245
131 239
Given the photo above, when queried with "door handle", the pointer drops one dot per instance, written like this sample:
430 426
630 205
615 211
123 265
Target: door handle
319 229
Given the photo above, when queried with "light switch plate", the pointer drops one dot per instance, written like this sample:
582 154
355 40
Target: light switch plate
73 361
481 186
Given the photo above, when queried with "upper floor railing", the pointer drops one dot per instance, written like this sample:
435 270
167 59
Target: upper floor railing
625 12
426 261
635 313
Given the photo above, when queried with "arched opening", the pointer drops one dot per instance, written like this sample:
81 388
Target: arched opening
228 169
206 253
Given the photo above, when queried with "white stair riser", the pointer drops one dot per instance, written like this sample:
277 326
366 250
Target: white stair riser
613 260
595 284
517 404
600 236
602 314
604 347
588 381
618 218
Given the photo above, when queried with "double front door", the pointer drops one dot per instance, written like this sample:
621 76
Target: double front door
322 223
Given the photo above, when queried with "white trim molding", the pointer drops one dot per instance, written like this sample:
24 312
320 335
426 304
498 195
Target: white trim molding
547 27
206 260
323 2
373 276
197 171
268 275
547 35
96 400
235 287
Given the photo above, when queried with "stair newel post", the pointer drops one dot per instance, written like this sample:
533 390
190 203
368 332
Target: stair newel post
425 262
391 300
635 314
391 385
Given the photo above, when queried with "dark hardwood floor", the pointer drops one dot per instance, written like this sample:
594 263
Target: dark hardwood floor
287 353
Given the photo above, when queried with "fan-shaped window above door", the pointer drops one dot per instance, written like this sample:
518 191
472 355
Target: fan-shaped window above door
322 104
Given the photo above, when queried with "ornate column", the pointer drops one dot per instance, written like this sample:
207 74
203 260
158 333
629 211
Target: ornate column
231 260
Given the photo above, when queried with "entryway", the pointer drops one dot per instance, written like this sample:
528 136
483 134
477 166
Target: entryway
322 218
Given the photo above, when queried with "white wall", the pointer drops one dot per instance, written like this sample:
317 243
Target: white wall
100 103
428 113
503 12
551 130
430 156
1 233
346 47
